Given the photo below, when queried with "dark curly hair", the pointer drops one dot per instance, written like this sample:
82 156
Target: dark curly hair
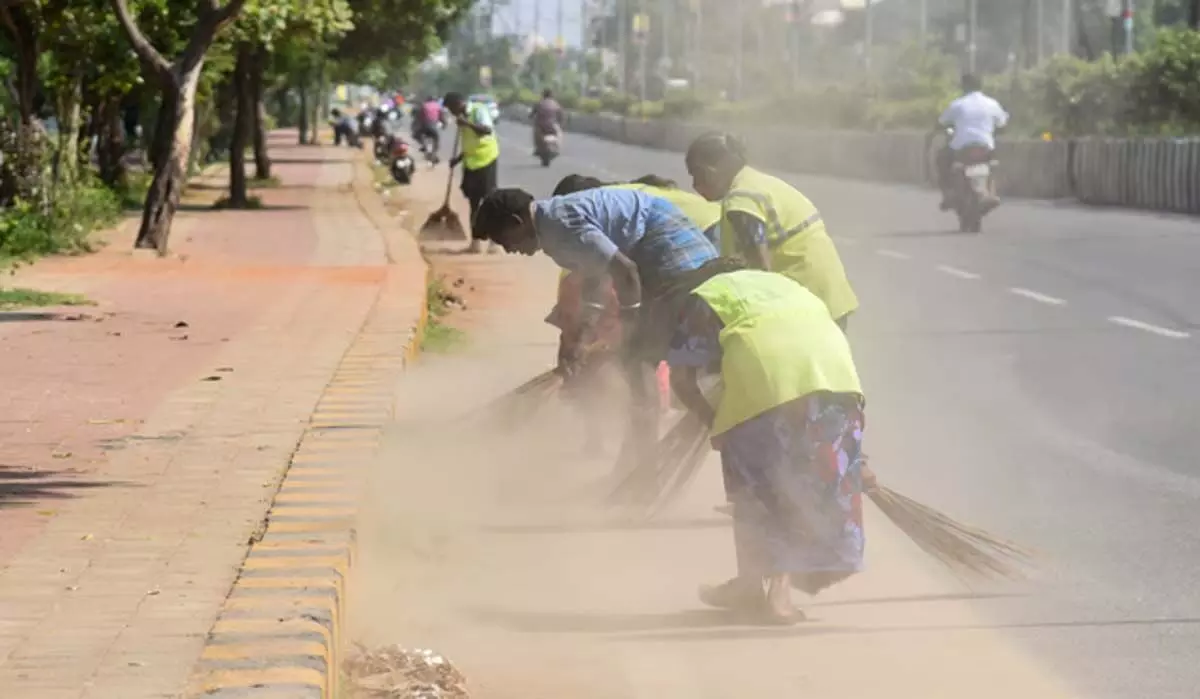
576 183
495 213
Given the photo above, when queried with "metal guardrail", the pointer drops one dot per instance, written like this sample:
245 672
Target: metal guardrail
1158 174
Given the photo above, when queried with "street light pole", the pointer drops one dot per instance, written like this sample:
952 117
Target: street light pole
1068 16
868 34
924 21
1127 24
972 26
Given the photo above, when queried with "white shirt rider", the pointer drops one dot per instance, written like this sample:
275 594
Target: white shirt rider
974 118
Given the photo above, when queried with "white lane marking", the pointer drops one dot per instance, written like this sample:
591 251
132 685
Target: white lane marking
956 272
1037 296
894 254
1156 329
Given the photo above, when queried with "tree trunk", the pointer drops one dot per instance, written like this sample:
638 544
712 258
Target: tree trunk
23 32
170 150
112 142
242 121
1194 14
302 91
68 101
262 159
314 119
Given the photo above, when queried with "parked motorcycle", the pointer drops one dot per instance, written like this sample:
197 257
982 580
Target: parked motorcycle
547 148
402 166
973 188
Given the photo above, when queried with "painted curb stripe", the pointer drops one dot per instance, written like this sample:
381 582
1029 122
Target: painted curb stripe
279 631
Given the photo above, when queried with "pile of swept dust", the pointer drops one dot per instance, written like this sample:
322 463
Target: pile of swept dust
393 672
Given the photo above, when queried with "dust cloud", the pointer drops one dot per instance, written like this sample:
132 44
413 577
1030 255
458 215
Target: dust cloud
490 542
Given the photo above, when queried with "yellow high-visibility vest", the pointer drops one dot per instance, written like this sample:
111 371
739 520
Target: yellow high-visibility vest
478 151
800 246
778 344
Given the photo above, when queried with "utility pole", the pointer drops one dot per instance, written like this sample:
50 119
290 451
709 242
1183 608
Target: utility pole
698 49
868 33
972 27
739 29
623 45
1068 16
1040 31
924 21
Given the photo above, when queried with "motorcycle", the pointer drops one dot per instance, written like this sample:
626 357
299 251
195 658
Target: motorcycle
402 166
973 187
547 148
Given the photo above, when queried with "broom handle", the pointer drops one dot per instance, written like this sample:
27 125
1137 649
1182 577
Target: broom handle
450 177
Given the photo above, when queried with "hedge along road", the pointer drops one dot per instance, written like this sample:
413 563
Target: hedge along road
1037 379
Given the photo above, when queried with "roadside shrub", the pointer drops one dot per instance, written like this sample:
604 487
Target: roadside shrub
589 105
27 231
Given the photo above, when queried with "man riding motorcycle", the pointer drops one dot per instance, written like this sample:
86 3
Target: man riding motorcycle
973 120
427 120
547 119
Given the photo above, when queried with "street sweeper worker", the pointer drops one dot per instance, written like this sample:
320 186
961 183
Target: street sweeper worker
479 155
639 242
769 223
788 423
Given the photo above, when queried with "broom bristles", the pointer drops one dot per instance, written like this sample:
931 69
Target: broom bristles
963 548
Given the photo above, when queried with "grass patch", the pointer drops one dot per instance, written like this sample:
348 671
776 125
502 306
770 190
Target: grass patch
30 298
439 337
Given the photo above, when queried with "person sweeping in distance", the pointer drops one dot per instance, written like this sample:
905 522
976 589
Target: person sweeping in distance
769 223
479 155
788 424
637 242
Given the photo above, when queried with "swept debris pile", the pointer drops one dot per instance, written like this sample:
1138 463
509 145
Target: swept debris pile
393 672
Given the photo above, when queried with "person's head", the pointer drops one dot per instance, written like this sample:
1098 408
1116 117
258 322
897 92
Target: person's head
547 94
506 219
337 113
656 181
456 103
429 98
576 183
971 83
713 160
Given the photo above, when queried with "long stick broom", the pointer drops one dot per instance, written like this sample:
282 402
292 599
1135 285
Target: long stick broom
444 224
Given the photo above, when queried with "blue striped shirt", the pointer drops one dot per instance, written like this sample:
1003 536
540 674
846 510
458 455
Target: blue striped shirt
583 231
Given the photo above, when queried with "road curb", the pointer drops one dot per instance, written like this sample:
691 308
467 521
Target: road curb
280 632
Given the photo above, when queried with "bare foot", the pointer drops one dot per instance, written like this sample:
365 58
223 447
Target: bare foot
726 509
738 594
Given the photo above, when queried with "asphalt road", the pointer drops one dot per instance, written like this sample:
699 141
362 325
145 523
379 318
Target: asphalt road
1038 380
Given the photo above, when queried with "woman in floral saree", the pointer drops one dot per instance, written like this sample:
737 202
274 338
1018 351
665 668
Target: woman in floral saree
788 424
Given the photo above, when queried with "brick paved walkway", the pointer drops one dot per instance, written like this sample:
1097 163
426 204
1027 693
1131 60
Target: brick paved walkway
137 458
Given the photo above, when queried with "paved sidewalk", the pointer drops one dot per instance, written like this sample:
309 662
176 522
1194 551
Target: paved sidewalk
138 455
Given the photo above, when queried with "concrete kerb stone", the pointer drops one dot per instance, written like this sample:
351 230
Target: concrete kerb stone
279 633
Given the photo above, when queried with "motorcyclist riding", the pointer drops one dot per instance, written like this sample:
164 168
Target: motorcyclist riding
427 120
547 119
973 119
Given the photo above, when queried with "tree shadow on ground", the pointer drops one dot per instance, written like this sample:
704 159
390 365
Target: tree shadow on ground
311 161
200 208
44 316
22 487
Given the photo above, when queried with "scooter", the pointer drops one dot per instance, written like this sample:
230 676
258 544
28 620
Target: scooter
402 166
973 188
547 148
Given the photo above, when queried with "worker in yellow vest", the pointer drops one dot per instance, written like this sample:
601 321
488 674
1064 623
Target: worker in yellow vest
479 155
788 423
769 223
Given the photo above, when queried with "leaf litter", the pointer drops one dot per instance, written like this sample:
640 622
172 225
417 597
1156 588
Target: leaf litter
394 672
